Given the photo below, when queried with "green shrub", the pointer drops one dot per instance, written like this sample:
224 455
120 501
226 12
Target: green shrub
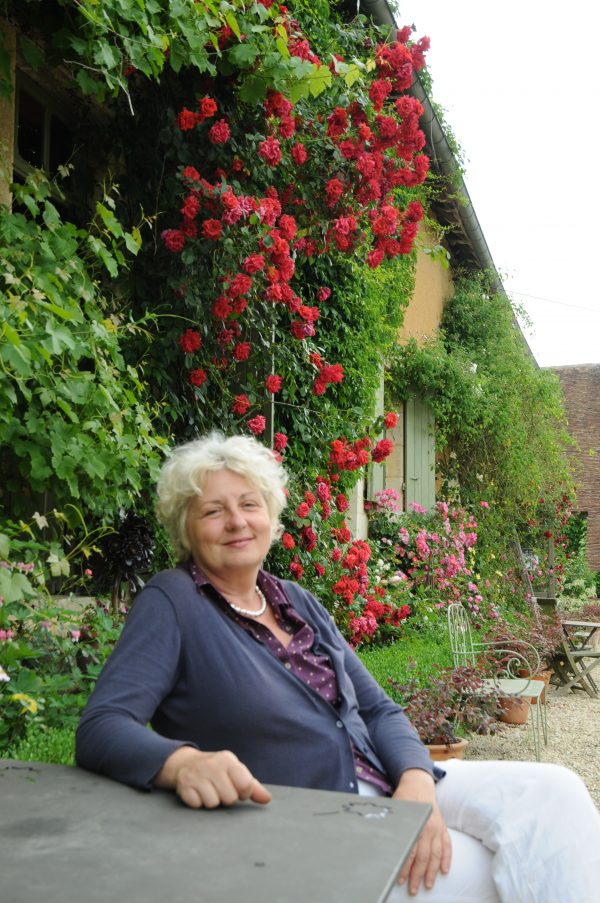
41 744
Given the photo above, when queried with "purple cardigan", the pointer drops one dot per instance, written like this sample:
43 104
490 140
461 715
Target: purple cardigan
186 667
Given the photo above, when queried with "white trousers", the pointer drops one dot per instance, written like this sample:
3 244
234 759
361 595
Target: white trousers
522 832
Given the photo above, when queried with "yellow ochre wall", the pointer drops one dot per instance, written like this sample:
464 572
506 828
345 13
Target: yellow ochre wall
433 286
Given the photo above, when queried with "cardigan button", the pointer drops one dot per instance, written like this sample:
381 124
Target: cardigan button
339 723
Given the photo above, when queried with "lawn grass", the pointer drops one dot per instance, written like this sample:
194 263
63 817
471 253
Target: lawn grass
415 654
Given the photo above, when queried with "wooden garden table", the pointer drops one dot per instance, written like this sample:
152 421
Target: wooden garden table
578 658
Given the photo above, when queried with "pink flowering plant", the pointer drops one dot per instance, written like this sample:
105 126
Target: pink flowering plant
432 556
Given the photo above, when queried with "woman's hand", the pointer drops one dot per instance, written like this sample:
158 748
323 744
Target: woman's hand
433 851
209 779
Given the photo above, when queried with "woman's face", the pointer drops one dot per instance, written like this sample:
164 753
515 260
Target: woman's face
228 526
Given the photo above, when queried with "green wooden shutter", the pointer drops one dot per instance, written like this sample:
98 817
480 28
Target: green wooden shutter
420 453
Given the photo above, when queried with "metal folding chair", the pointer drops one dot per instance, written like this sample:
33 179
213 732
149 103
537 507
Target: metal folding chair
509 661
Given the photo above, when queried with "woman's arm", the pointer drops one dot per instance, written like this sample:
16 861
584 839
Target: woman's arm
142 670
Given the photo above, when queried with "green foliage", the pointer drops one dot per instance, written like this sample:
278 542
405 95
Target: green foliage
107 42
72 411
51 649
54 745
499 419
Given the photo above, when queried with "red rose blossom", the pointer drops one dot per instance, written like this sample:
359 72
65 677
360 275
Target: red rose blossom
174 240
323 492
334 189
273 383
299 155
287 227
241 404
239 285
219 133
190 341
341 502
257 424
382 450
390 420
375 257
241 351
253 263
337 122
197 377
296 569
310 499
207 107
287 541
186 120
212 229
281 441
221 308
269 150
191 174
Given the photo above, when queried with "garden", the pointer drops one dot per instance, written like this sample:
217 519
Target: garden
240 256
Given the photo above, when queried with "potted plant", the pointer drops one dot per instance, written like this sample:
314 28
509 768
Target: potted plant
528 649
447 708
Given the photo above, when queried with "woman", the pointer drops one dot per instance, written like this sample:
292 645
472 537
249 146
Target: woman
245 679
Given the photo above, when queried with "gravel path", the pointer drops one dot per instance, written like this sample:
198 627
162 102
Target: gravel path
573 739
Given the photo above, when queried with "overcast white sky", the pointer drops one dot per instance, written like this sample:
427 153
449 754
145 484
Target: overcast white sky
519 82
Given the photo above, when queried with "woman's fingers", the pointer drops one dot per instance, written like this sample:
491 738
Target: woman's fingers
260 794
209 780
431 855
407 865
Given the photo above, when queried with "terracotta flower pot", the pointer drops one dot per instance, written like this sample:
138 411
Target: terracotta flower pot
439 752
513 709
543 676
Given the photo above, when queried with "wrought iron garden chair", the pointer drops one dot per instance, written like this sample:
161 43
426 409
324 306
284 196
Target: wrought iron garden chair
506 661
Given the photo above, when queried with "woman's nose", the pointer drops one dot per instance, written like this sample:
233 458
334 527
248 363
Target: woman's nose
235 519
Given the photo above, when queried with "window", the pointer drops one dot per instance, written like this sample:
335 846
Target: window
43 140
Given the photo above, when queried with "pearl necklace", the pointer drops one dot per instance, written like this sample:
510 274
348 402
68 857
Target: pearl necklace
251 612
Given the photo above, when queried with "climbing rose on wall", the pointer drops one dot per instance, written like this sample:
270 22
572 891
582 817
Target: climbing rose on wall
257 424
190 341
